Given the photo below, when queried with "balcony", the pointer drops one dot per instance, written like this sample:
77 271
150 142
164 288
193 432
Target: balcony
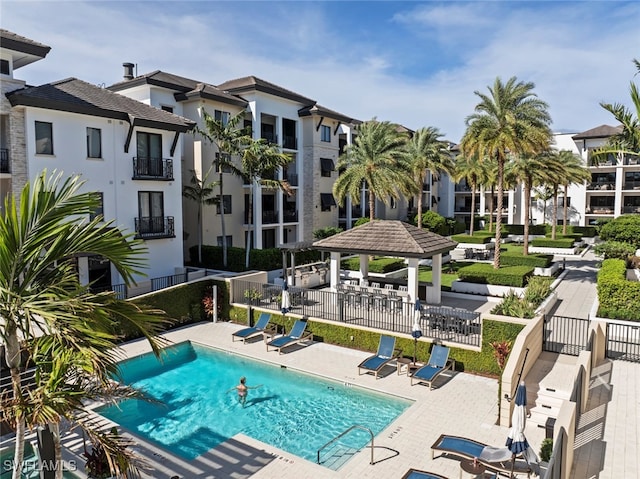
631 185
601 186
152 169
269 217
290 142
270 138
154 227
4 160
630 209
600 210
292 178
290 216
463 188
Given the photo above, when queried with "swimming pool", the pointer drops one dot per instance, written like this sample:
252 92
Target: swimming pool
293 411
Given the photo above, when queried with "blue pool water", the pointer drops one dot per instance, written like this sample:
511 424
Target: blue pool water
295 412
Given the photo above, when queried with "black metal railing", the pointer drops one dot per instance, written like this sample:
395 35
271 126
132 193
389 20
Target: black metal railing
631 209
601 186
368 309
631 185
4 160
151 227
270 137
269 217
292 178
565 335
152 168
290 142
290 216
623 342
168 281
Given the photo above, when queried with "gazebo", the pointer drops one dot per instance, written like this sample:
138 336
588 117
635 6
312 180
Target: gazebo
390 238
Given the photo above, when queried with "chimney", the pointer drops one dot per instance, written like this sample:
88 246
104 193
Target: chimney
128 71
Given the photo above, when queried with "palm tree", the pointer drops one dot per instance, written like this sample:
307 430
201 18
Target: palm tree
377 159
544 194
531 171
229 140
258 159
428 152
510 120
201 191
39 286
472 170
573 172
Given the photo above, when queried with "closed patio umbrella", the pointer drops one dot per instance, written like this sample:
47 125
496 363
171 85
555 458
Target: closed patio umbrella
285 302
416 331
516 440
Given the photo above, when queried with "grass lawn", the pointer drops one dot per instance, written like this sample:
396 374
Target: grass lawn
449 273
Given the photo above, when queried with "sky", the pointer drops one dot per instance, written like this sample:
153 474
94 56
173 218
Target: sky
413 63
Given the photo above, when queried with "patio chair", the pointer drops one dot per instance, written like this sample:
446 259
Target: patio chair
295 336
496 459
418 474
438 363
253 331
387 352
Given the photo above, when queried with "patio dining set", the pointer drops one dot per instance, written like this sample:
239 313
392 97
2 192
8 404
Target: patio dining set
374 296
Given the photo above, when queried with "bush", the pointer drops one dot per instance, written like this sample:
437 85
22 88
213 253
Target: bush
583 231
475 239
615 249
546 449
377 265
326 232
434 222
625 229
535 260
619 298
456 227
361 221
549 243
514 306
519 229
538 289
263 259
484 273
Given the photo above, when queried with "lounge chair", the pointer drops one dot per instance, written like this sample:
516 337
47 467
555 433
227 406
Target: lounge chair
438 362
387 352
253 331
296 335
418 474
496 459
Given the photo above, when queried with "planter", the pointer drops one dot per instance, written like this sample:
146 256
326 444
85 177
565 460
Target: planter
484 289
550 271
555 251
463 246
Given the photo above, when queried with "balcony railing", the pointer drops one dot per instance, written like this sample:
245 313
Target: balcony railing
463 188
292 178
270 137
601 186
4 160
152 227
631 185
152 169
269 217
290 142
600 210
290 216
631 209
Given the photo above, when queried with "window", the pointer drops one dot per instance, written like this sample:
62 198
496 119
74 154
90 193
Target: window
229 240
99 211
393 203
44 138
94 143
151 211
561 201
226 201
325 133
326 167
167 108
326 201
221 116
4 67
149 145
226 157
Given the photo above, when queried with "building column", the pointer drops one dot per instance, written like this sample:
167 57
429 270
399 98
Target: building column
434 295
83 270
334 270
364 268
412 279
617 200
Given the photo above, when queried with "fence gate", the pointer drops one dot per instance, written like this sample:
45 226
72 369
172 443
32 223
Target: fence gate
565 335
623 342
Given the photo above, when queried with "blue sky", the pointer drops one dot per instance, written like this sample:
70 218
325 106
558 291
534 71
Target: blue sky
414 63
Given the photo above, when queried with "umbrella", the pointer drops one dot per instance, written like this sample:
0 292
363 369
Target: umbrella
286 299
516 441
416 331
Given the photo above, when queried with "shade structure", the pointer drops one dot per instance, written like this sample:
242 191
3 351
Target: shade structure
285 302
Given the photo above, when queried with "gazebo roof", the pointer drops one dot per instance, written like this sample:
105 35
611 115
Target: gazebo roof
388 238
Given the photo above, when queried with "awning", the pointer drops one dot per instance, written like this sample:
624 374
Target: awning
327 200
326 164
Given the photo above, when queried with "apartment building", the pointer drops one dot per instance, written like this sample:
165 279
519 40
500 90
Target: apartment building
123 149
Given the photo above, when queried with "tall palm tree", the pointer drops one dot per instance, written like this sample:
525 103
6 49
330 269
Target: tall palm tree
229 141
427 151
377 159
201 190
511 119
573 171
472 170
39 286
531 171
257 160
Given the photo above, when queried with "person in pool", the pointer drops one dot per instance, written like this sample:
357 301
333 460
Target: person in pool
243 390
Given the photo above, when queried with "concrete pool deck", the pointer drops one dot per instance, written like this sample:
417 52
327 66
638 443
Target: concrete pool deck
460 404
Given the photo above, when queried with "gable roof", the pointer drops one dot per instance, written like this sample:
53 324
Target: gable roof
320 110
210 92
77 96
602 131
387 237
26 50
252 83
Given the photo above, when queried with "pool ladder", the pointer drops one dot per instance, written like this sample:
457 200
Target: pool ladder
357 426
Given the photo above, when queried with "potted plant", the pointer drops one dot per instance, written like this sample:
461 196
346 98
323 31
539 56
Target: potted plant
546 449
252 295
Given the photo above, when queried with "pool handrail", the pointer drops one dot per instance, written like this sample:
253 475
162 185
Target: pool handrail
355 426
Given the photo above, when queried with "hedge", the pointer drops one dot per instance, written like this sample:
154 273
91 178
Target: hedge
480 239
535 260
556 243
484 273
625 228
263 259
377 265
584 231
618 297
519 229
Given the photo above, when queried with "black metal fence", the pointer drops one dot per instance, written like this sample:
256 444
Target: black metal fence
623 341
379 309
122 292
565 335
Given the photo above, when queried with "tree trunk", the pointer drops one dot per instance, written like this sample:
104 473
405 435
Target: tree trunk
554 216
224 235
496 253
57 447
473 207
565 210
527 218
13 359
491 211
420 201
372 202
200 234
250 232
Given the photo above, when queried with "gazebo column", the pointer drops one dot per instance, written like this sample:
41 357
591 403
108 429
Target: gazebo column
434 295
412 279
364 268
334 270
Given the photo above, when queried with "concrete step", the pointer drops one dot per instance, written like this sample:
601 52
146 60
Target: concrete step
539 415
539 419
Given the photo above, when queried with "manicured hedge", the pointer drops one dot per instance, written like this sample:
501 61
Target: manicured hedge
475 239
484 273
519 229
556 243
377 265
618 297
262 259
535 260
584 231
625 228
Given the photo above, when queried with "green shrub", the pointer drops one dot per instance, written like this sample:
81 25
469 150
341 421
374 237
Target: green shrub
361 221
546 449
263 259
539 260
326 232
475 239
434 222
485 273
618 297
625 229
513 229
615 249
584 231
549 243
377 265
514 306
538 289
456 227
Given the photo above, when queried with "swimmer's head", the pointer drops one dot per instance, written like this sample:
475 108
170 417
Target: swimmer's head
243 380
